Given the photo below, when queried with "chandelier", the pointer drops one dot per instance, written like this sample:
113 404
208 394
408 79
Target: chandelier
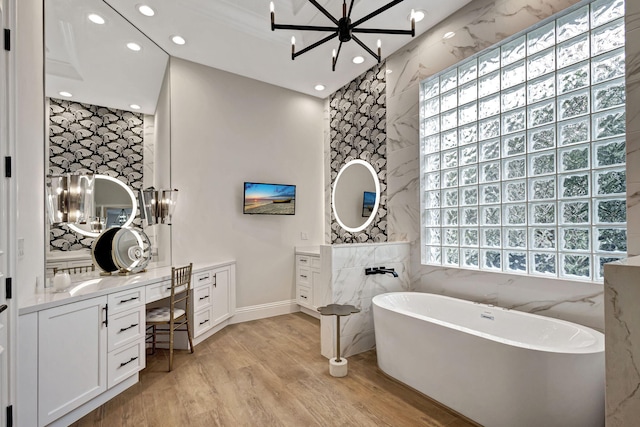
344 30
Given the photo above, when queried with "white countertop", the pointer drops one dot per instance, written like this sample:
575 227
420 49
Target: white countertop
308 250
91 284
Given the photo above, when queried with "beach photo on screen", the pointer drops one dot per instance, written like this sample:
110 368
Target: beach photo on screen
368 202
269 199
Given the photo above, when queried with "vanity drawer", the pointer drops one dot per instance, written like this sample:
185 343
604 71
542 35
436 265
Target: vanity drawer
303 295
123 363
203 278
303 260
125 328
160 290
201 297
202 321
125 300
304 276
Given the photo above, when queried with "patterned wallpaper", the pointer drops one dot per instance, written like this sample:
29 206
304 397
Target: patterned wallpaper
89 138
358 130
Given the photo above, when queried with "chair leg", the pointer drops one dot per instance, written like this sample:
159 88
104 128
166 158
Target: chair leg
170 348
189 335
153 341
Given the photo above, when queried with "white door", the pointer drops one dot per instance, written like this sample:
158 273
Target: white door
220 297
5 308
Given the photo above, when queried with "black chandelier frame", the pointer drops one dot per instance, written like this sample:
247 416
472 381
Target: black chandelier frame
344 29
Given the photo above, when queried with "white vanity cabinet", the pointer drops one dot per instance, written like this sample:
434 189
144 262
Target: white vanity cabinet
86 348
213 300
72 357
307 282
81 348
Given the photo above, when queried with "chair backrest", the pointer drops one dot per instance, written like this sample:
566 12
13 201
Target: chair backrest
76 269
181 276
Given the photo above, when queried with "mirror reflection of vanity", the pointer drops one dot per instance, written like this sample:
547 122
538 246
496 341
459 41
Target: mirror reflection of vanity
115 124
356 195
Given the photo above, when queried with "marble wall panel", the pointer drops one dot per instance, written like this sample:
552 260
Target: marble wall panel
343 281
622 346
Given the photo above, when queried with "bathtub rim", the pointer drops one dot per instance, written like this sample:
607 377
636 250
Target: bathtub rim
594 348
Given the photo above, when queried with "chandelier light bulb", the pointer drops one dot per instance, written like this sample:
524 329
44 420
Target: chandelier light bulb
413 21
293 41
273 16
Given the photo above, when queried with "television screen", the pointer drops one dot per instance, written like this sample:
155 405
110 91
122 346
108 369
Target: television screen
269 199
368 202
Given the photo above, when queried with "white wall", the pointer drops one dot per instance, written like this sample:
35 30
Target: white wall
29 135
227 129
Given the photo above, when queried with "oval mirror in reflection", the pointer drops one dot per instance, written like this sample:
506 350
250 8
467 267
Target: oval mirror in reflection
115 206
356 195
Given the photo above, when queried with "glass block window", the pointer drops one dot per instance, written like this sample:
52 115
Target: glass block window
523 151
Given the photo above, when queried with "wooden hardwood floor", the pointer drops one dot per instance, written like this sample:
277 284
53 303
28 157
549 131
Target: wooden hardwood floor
267 372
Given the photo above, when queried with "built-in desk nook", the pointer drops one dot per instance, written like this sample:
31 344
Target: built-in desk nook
81 347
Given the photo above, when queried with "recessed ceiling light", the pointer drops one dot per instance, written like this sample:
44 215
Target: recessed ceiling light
134 46
178 40
96 19
65 94
146 10
418 15
448 35
134 106
358 59
319 87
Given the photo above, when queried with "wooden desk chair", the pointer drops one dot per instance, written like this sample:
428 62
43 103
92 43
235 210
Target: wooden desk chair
77 269
176 318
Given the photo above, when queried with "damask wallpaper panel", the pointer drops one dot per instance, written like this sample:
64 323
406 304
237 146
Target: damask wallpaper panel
358 130
86 138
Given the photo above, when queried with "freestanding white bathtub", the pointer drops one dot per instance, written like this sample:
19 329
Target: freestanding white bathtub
498 367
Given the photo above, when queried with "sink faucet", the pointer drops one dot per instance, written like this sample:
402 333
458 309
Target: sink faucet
380 270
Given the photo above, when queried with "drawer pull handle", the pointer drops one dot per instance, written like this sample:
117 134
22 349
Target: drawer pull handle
204 297
203 278
203 322
128 327
303 260
303 296
130 360
303 276
122 301
215 281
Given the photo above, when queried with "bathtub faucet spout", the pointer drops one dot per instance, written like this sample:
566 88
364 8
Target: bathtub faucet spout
380 270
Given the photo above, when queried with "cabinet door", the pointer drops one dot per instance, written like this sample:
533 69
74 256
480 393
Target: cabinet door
72 352
220 296
315 289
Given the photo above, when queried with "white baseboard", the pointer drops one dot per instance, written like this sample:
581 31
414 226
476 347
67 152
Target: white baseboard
262 311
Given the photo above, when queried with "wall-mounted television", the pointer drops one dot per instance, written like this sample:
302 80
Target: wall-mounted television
269 199
368 202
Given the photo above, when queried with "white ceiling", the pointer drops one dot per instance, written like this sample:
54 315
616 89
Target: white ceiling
231 35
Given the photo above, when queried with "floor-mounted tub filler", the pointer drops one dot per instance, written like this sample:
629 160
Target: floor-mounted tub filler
498 367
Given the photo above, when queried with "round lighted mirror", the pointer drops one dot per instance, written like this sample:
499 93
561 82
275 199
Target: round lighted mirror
356 195
115 206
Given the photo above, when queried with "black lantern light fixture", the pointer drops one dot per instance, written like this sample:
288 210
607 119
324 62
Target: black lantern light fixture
344 29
